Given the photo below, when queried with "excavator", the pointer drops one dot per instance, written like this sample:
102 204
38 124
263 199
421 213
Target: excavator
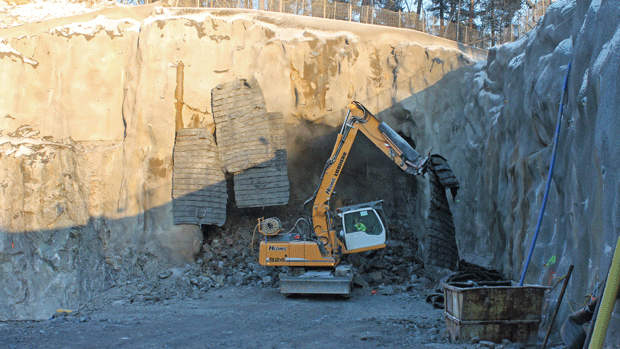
313 255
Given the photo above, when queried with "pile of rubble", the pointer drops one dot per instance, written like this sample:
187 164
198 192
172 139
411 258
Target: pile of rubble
229 258
397 267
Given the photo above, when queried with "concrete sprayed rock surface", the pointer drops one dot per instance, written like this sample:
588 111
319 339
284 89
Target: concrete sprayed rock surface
496 123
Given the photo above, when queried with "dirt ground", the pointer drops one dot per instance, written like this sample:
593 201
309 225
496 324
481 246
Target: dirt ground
245 317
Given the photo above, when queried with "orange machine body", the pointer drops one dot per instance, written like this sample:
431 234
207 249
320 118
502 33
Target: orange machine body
323 246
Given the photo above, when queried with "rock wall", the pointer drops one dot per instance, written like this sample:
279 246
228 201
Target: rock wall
496 123
90 106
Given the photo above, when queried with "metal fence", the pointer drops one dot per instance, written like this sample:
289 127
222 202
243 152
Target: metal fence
528 19
371 15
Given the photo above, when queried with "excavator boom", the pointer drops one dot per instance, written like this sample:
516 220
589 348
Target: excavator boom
358 119
364 226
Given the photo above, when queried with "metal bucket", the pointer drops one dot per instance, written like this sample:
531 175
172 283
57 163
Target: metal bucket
493 312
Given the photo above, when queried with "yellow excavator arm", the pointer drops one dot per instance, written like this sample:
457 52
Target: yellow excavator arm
324 248
358 119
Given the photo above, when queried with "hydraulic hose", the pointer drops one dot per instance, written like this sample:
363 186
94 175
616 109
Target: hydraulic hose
549 177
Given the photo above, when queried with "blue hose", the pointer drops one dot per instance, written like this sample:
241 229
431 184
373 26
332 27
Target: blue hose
544 203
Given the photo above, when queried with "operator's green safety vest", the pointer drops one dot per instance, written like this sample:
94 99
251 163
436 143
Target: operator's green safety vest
360 226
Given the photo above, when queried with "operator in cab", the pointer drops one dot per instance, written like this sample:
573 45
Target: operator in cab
359 225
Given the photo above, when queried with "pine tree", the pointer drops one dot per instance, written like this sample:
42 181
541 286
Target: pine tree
497 15
392 5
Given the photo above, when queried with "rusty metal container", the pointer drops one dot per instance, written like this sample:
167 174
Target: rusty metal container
493 311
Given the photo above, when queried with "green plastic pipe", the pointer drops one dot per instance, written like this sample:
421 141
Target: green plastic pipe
607 303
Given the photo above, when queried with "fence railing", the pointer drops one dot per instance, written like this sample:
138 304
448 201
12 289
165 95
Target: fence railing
372 15
528 19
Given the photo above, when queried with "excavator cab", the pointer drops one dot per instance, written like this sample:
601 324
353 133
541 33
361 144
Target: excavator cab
363 226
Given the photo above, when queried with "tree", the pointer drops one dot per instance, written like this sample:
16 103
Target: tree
449 10
491 17
369 16
392 5
419 12
468 15
497 15
471 14
439 9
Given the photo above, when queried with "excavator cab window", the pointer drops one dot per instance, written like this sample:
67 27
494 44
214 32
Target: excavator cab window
363 228
364 220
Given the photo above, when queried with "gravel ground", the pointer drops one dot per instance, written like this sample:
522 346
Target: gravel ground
244 317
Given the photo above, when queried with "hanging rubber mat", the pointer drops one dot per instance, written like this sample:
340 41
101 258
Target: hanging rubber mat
242 127
266 185
198 183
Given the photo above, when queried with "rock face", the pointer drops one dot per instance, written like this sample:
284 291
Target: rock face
496 123
91 111
522 85
91 106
